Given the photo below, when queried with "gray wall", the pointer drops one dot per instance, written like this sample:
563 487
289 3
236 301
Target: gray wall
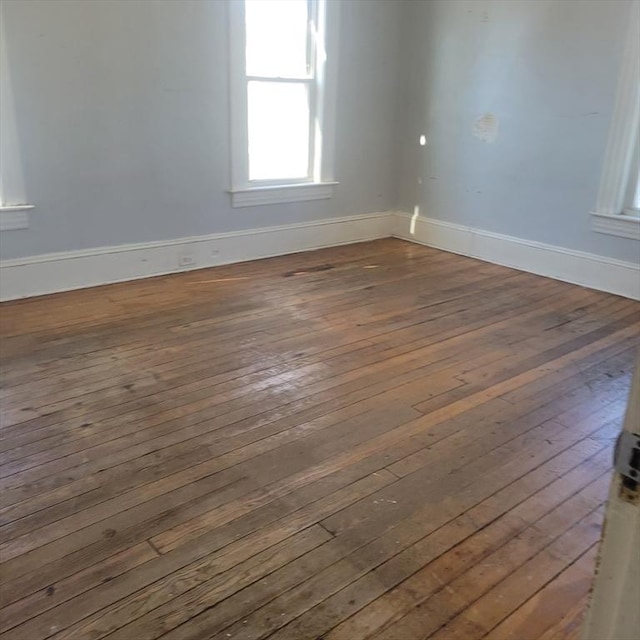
122 120
546 70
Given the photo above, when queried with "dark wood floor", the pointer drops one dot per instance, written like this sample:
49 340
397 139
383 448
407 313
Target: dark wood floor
375 441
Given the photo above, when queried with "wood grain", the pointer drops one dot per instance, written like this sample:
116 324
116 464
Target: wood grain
403 444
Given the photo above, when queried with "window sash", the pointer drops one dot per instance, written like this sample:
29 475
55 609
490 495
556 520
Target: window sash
312 98
311 18
240 84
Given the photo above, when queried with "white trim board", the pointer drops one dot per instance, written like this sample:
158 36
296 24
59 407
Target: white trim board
282 193
576 267
54 272
14 216
621 155
622 225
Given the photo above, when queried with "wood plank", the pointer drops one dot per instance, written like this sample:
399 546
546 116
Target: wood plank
54 594
199 561
300 341
374 439
390 293
390 541
345 602
488 610
557 610
459 595
87 526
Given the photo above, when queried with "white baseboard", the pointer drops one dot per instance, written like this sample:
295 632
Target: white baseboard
586 269
54 272
51 273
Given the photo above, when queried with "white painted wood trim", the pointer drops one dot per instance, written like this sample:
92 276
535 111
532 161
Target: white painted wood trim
254 196
50 273
55 272
324 98
327 81
239 139
14 216
613 612
619 157
625 225
16 207
576 267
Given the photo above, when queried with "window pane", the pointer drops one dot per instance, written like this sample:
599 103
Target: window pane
278 130
276 37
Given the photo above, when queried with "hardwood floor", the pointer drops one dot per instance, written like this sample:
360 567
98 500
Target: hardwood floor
373 441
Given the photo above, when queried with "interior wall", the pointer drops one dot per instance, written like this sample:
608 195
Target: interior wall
121 120
515 98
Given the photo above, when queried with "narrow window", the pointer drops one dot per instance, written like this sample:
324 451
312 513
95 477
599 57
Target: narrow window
278 101
617 210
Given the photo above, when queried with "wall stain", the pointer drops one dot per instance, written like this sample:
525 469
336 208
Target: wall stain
485 128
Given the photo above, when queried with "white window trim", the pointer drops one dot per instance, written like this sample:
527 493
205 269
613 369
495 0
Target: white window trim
280 194
622 156
321 185
14 216
623 225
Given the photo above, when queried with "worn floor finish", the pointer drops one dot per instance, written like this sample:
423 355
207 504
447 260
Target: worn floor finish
375 441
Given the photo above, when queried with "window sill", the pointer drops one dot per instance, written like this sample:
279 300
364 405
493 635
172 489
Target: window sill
623 225
14 216
255 196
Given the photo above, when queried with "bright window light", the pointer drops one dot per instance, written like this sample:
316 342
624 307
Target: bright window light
283 63
278 130
280 88
277 38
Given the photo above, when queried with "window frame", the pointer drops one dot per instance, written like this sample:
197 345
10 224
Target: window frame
614 212
321 80
14 212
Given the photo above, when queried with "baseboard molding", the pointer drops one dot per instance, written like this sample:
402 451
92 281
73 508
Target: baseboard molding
57 272
576 267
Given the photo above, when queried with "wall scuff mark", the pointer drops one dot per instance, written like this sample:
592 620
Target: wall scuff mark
485 128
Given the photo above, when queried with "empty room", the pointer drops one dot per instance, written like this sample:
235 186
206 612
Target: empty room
319 319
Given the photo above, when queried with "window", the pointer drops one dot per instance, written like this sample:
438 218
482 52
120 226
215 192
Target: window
281 100
12 216
635 203
617 210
